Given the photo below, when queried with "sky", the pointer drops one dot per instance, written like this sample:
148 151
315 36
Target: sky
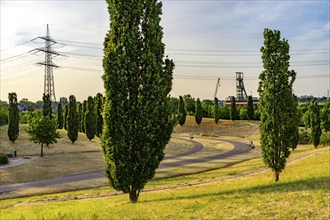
206 39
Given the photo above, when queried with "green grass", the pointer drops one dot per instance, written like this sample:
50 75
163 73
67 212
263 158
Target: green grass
302 193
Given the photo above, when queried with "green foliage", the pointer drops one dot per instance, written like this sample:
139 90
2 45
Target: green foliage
137 79
234 114
98 112
315 123
60 119
304 136
66 112
182 111
47 106
189 102
3 159
325 116
243 114
72 120
257 115
224 112
3 116
279 116
90 119
13 117
216 110
325 139
43 130
84 109
207 108
81 117
250 109
24 117
198 112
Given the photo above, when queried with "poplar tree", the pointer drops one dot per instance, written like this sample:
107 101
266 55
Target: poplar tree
98 111
216 110
81 116
47 105
198 112
72 120
250 109
84 109
59 116
234 115
66 112
137 80
182 112
279 117
315 124
13 117
90 119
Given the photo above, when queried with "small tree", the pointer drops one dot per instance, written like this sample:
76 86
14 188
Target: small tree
47 105
72 121
13 117
42 130
198 112
59 116
90 119
315 124
279 116
250 109
216 110
66 112
98 111
182 111
234 115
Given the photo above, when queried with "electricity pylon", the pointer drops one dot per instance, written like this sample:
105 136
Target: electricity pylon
49 87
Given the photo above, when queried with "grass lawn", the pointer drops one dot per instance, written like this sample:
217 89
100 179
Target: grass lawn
302 193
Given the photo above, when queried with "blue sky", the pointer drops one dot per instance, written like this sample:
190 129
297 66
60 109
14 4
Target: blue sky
206 40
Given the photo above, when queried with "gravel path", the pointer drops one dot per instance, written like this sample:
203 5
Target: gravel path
239 148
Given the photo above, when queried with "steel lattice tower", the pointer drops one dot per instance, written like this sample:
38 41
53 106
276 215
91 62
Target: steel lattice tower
49 87
240 89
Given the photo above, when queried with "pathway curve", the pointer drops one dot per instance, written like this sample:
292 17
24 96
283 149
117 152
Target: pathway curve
239 148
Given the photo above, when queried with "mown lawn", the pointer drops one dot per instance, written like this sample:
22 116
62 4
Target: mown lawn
302 193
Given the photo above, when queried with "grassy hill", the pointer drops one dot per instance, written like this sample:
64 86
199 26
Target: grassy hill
302 193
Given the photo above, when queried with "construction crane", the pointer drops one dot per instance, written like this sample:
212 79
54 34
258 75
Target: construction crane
216 88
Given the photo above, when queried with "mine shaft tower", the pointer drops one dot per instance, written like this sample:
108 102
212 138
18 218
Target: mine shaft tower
240 89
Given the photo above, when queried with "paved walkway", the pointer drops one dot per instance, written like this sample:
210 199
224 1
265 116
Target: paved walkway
239 148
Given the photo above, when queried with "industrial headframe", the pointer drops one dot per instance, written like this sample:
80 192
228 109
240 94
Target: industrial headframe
240 89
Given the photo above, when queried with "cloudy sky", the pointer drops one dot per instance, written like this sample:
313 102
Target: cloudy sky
206 39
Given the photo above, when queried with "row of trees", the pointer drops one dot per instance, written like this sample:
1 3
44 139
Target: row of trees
213 110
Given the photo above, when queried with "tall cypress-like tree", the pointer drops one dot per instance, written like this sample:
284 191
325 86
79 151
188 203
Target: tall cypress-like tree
66 112
59 116
315 123
90 119
198 112
98 111
137 80
278 105
182 111
47 105
216 110
84 109
72 120
250 109
13 117
80 116
234 115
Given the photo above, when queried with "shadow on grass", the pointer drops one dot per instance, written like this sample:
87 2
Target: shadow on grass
279 187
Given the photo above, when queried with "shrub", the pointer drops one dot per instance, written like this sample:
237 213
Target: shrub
304 136
3 116
3 159
325 138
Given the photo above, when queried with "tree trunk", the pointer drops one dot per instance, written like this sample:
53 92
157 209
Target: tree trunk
134 195
277 175
42 150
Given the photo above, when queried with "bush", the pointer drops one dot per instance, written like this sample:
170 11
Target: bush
243 114
3 159
325 138
3 116
24 117
304 136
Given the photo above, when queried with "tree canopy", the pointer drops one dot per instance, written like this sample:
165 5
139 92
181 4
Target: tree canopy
137 80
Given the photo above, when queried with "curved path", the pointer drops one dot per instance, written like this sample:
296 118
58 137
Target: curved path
239 148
